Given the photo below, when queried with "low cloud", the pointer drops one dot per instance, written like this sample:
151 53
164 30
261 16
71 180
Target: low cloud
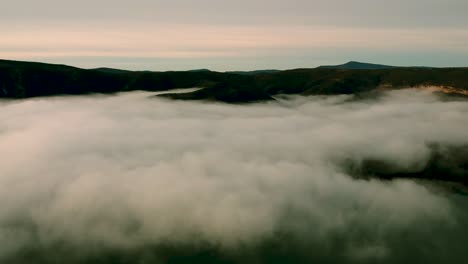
137 179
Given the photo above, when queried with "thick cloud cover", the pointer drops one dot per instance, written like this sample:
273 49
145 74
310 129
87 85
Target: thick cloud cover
133 179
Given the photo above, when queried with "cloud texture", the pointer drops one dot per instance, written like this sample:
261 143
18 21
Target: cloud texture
132 179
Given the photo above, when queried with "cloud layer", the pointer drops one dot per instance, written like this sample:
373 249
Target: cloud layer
129 178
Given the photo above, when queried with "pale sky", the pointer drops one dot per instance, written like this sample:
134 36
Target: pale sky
234 35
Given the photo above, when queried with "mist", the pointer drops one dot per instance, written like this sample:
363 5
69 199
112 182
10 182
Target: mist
130 178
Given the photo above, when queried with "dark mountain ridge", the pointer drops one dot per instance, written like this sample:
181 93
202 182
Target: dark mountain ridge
30 79
355 65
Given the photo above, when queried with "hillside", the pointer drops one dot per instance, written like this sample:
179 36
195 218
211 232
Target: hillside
28 79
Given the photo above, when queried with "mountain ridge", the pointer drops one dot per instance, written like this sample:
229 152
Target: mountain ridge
31 79
356 65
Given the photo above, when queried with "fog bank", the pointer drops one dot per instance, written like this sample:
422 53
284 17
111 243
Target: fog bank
133 179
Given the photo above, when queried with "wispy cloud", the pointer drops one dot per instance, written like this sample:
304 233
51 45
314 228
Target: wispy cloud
189 41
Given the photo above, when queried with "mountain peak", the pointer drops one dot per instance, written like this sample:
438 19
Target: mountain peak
356 65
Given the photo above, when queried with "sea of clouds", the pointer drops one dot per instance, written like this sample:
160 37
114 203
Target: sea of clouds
132 179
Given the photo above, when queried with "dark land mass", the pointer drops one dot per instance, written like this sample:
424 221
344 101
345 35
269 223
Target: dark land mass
446 163
111 70
31 79
355 65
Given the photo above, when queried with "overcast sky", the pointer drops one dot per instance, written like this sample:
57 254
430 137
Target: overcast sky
231 35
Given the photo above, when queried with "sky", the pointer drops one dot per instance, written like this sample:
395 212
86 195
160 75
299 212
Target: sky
234 35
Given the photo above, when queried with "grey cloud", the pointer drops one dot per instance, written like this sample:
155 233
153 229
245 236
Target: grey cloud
367 13
81 176
36 18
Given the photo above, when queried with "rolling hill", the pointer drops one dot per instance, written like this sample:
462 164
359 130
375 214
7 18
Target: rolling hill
31 79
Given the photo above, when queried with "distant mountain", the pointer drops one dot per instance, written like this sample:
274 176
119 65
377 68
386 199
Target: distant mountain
355 65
